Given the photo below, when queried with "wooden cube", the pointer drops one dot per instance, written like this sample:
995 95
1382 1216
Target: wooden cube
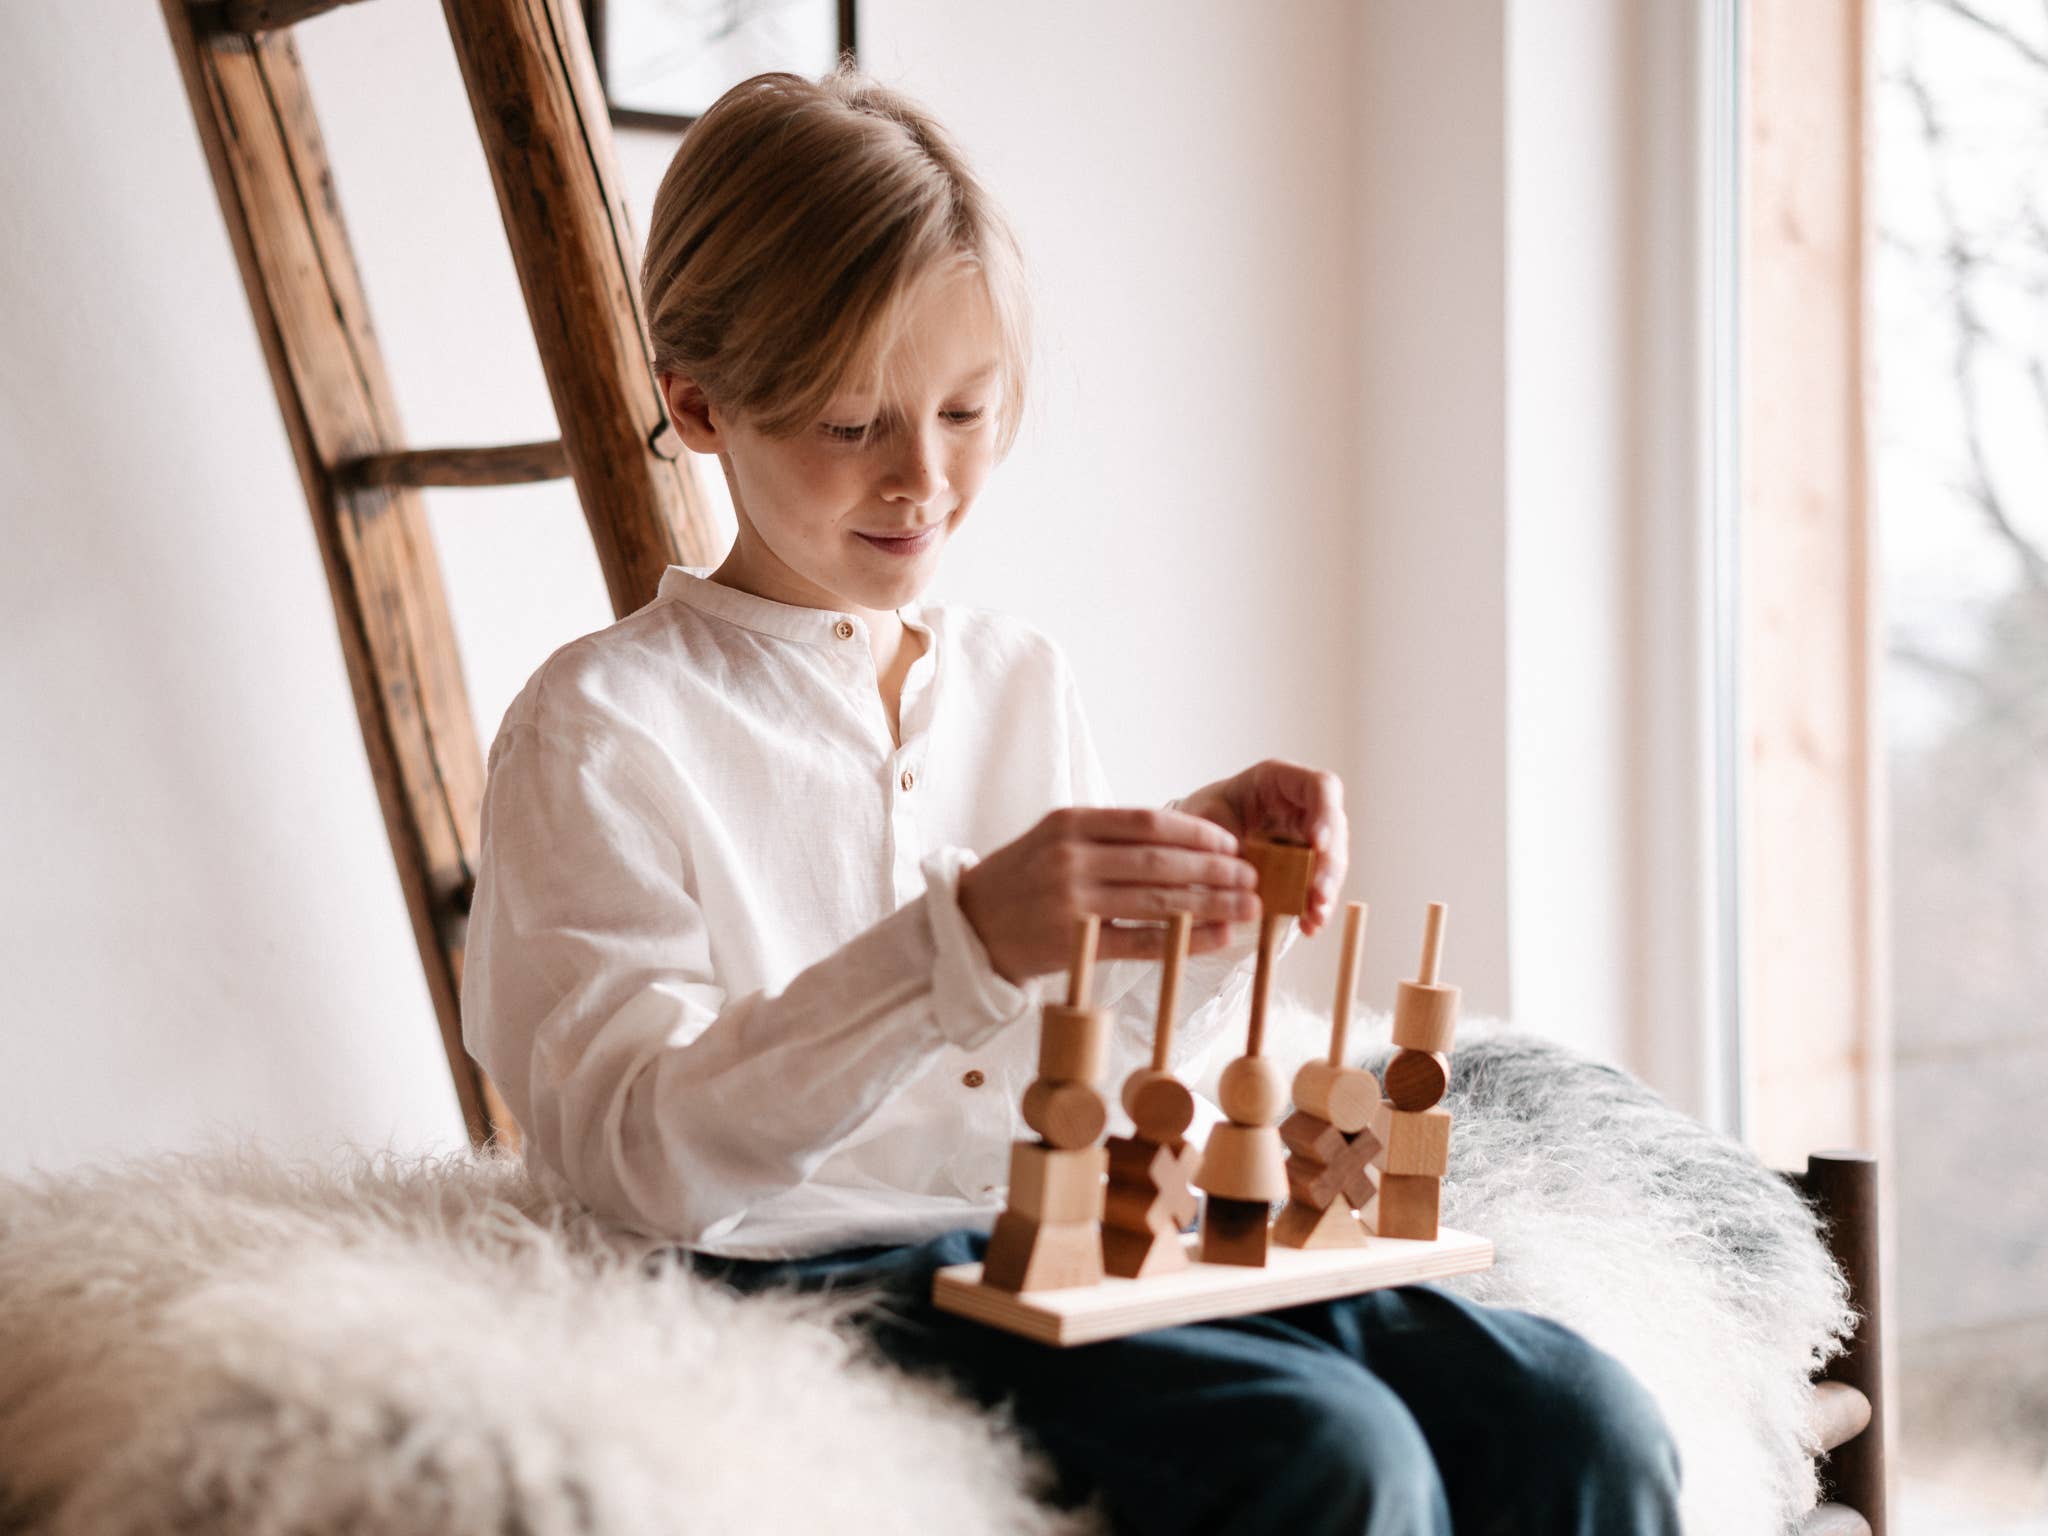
1056 1184
1235 1231
1405 1205
1286 873
1414 1141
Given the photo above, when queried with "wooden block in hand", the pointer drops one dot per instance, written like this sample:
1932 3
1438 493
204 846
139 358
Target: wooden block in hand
1235 1231
1413 1141
1405 1205
1026 1255
1057 1184
1286 874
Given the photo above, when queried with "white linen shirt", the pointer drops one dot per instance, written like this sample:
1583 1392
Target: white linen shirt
716 964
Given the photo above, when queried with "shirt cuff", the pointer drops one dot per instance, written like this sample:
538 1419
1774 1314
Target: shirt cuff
971 1000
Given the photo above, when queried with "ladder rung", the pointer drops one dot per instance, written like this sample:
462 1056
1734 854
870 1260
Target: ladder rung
262 15
513 464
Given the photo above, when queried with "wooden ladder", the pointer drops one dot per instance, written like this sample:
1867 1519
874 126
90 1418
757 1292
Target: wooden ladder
541 116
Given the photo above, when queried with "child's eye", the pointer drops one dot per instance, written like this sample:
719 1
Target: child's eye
852 434
963 418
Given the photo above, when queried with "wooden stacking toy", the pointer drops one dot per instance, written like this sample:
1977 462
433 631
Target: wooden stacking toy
1151 1171
1244 1166
1330 1143
1414 1130
1050 1233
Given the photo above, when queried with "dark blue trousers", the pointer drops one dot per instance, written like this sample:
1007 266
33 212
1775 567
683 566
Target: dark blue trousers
1407 1410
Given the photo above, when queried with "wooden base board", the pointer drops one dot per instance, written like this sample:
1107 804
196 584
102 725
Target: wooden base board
1115 1307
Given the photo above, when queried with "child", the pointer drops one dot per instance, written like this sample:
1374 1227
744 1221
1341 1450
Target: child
777 869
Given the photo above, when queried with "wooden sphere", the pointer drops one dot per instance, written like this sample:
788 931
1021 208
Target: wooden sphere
1073 1043
1344 1096
1252 1091
1425 1017
1160 1105
1244 1162
1417 1079
1067 1115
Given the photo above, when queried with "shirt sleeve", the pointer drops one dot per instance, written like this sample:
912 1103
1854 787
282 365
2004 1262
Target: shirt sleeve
1215 988
591 997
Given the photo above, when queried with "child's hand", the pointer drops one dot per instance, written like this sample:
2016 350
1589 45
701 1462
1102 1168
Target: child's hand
1117 862
1286 800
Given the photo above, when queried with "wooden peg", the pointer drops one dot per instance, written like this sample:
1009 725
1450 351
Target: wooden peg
1169 989
1347 979
1081 971
1160 1105
1425 1011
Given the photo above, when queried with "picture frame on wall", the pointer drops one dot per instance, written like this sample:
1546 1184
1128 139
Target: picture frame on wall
662 62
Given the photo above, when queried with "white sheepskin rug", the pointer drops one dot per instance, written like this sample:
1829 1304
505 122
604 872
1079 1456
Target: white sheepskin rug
223 1343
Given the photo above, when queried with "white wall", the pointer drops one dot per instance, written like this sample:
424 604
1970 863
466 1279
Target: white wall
202 926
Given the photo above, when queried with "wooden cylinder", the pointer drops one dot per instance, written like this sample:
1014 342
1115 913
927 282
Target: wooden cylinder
1073 1043
1067 1115
1252 1091
1425 1017
1160 1105
1347 979
1344 1096
1418 1079
1244 1162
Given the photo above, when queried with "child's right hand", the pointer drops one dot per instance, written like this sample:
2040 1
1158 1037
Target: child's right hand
1116 862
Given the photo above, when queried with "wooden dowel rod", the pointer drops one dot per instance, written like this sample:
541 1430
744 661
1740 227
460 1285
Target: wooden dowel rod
1432 944
1269 933
1081 973
513 464
1169 987
1347 979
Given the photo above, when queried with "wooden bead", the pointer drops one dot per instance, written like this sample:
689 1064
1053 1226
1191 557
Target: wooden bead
1073 1043
1235 1231
1251 1091
1405 1205
1160 1105
1027 1255
1425 1017
1417 1079
1413 1142
1244 1162
1065 1114
1344 1096
1051 1184
1286 874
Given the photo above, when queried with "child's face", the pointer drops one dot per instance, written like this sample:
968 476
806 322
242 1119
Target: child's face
829 520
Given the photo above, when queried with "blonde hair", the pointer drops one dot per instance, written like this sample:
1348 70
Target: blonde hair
793 227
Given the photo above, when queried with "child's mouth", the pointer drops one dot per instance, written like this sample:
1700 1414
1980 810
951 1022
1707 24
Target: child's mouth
911 545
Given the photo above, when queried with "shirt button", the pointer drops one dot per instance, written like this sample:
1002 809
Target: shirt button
972 1077
909 779
843 629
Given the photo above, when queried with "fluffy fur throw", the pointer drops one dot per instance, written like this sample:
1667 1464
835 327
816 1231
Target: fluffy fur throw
223 1343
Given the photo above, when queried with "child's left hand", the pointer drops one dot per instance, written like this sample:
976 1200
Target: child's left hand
1289 801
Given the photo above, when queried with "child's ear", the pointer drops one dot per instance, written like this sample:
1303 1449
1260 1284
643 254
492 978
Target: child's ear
691 412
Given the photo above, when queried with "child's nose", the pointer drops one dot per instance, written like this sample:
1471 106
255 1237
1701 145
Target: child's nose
917 473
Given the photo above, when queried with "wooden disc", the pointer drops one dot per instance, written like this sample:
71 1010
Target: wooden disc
1065 1114
1344 1096
1417 1079
1160 1105
1252 1091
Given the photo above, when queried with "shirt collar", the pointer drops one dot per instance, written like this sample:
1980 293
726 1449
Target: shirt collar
815 626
